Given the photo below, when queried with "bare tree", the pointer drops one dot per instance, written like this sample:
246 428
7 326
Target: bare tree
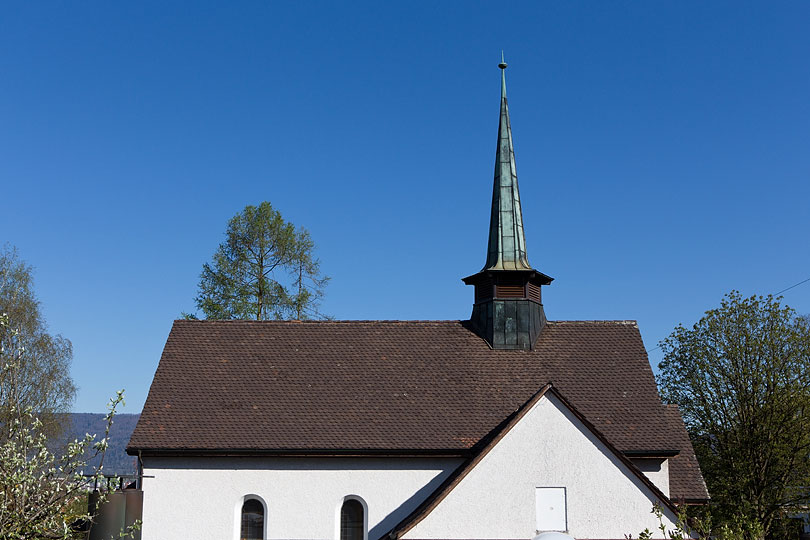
44 383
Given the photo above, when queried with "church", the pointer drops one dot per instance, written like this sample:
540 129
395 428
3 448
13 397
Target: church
501 427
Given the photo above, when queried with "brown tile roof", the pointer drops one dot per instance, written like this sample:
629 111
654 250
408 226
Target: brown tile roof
685 479
387 386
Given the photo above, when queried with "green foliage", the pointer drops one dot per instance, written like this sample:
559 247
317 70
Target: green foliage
265 269
44 382
741 377
40 492
700 528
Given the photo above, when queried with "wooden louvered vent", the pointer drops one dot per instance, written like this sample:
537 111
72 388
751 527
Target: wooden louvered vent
510 291
483 291
534 293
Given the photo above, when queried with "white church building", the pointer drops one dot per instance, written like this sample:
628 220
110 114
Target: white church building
500 427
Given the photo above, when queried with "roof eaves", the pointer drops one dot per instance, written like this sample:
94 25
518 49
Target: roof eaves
655 453
296 452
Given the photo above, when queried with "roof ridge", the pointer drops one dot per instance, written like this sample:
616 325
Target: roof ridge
316 321
628 322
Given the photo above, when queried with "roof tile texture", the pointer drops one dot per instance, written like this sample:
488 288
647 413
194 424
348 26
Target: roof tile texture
685 479
386 385
392 386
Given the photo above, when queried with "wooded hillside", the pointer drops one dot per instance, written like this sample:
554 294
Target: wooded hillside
116 461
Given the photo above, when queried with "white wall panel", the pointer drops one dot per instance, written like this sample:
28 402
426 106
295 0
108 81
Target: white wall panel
201 498
550 511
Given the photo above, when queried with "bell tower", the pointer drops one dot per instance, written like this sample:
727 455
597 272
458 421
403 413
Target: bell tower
508 309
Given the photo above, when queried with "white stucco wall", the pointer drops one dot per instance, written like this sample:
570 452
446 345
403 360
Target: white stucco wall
549 447
657 470
201 498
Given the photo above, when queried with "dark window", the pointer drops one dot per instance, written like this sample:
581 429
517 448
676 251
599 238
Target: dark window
252 520
351 520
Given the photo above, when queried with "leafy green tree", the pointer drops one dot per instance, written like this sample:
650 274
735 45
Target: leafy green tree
45 385
265 269
741 376
699 527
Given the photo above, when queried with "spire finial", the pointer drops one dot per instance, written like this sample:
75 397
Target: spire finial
503 65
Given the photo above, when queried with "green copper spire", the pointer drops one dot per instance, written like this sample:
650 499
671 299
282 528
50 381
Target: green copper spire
507 245
508 310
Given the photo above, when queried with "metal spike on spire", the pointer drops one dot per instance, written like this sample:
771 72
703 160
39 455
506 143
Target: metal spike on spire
503 65
507 245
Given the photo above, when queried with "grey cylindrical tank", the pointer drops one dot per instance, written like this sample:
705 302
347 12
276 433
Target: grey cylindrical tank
109 517
134 509
121 510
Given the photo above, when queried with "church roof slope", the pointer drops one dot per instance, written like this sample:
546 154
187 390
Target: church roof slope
686 481
392 387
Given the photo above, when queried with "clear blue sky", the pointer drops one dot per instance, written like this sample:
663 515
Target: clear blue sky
663 152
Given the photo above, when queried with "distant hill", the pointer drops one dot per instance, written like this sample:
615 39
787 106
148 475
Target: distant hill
116 461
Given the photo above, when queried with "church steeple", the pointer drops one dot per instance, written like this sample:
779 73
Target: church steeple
508 310
507 245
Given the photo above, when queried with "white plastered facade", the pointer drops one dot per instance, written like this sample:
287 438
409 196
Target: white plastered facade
657 470
548 447
201 498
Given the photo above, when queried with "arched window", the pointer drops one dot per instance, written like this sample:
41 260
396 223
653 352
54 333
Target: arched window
252 520
352 521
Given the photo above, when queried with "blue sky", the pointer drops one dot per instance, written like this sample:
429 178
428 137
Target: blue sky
662 154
